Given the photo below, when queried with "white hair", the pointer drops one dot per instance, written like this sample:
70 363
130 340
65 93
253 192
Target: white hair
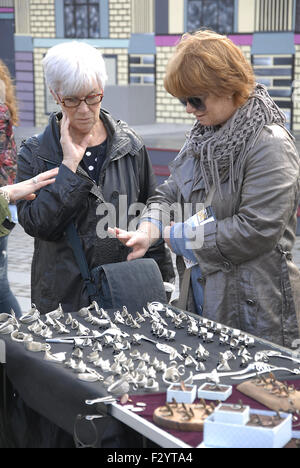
2 92
74 67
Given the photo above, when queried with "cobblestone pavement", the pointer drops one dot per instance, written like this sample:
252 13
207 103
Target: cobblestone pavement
20 245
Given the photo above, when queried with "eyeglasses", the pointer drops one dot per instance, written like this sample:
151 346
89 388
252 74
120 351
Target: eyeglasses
196 102
90 100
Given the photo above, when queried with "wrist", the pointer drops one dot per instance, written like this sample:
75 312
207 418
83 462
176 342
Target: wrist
151 230
71 164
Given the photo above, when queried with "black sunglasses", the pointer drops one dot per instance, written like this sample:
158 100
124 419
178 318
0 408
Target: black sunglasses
196 102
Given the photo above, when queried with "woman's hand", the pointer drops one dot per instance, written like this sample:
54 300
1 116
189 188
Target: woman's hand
139 241
73 151
25 190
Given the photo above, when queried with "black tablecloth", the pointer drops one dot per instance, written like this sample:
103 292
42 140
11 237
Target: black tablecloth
55 392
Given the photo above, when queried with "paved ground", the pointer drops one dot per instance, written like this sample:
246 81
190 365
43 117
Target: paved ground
20 247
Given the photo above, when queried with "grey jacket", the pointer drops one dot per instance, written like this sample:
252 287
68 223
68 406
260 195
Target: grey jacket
127 171
250 281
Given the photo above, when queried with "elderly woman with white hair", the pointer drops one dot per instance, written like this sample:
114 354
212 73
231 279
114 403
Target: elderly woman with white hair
100 159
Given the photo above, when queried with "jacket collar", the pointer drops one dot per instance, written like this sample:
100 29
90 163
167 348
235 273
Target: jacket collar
121 139
182 170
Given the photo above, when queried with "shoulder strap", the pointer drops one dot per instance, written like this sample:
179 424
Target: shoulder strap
75 243
80 257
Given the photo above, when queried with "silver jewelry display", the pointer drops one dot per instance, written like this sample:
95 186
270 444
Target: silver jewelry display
6 328
36 346
138 361
120 387
20 337
56 314
58 357
31 316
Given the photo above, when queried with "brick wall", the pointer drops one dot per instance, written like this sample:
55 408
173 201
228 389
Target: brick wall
42 18
296 94
119 19
41 118
168 108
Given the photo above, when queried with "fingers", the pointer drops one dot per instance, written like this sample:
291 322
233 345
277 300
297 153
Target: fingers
135 254
30 197
48 174
120 234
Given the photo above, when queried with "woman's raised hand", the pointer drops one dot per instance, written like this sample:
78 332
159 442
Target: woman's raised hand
73 151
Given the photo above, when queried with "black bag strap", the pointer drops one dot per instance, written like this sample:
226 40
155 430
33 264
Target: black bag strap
80 257
76 245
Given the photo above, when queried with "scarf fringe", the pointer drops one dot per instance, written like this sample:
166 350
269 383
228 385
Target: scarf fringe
222 152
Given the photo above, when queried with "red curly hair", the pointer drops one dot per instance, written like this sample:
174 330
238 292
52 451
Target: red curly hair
207 62
10 97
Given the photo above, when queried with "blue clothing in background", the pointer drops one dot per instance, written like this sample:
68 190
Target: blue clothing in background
7 299
180 235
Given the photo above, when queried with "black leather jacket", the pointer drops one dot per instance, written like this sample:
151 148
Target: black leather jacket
127 171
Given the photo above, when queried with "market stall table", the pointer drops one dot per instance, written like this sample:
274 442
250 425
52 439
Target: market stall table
55 392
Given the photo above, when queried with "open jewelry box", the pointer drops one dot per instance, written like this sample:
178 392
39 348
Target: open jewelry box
187 394
264 429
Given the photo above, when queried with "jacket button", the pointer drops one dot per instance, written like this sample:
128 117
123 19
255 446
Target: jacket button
250 302
115 194
227 265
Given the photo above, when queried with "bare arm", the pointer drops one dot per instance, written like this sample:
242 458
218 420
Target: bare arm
26 190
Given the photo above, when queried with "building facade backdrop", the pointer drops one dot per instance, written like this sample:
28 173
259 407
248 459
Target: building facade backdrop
137 37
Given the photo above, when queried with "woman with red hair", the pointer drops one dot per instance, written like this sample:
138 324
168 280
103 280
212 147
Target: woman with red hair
240 160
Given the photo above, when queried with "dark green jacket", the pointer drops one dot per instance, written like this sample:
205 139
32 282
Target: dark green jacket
4 213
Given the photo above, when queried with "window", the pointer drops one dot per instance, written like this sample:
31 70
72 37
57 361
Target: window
142 69
82 18
217 15
297 16
111 68
276 73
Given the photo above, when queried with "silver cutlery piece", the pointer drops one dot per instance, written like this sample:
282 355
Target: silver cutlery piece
268 369
70 339
106 400
258 367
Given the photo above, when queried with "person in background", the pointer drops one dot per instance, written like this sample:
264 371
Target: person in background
100 159
240 159
8 162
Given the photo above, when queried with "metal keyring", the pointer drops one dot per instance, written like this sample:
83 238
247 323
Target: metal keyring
78 442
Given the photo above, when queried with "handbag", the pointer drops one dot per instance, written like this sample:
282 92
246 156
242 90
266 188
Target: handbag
131 283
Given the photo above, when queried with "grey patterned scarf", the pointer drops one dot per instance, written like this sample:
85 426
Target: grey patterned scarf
220 151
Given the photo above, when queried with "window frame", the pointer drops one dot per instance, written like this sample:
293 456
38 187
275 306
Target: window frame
85 3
